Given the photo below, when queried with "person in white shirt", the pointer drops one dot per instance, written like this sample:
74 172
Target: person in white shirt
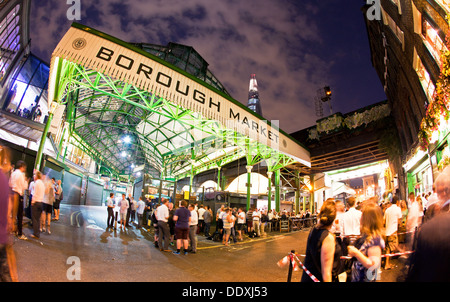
162 215
47 205
201 224
350 221
340 210
256 216
193 228
110 208
412 221
123 206
140 211
240 222
18 185
36 204
392 219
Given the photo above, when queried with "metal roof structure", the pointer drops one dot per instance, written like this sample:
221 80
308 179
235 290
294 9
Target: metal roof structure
126 108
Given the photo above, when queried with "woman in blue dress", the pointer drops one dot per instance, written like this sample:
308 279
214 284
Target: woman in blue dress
368 256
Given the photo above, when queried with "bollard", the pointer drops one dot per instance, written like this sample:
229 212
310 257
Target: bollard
290 266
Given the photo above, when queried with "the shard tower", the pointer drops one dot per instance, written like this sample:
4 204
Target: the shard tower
253 96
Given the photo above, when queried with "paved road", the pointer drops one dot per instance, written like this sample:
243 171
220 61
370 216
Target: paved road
81 238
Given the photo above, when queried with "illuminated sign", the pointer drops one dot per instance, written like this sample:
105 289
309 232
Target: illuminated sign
98 52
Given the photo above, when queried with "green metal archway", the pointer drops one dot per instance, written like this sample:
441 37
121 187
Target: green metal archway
174 123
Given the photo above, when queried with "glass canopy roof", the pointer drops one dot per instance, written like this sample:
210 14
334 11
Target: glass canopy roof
123 121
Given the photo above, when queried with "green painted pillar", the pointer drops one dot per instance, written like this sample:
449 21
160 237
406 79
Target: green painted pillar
219 184
61 143
269 189
191 179
277 190
37 163
249 185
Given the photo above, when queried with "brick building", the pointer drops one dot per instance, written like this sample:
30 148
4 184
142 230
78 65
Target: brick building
406 42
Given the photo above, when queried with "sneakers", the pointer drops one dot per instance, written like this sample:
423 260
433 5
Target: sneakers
22 237
178 253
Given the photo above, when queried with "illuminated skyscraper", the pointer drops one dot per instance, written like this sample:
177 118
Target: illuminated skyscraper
253 96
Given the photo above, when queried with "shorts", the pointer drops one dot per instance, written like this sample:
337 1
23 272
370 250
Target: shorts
123 216
391 243
47 208
227 231
182 233
240 226
56 204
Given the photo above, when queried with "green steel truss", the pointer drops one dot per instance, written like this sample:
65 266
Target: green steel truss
165 137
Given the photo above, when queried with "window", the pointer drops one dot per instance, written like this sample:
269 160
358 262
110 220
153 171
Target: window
9 40
387 20
445 4
424 77
28 97
397 3
433 41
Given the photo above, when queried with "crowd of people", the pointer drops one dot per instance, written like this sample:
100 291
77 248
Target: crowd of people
365 231
178 224
44 194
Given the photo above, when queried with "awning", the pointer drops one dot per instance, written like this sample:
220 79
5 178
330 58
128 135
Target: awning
175 123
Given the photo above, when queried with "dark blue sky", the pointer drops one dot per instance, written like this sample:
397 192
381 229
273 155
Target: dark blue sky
293 47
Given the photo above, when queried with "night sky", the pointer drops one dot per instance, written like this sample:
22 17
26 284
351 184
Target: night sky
294 47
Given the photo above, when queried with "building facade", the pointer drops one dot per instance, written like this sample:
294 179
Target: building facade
406 44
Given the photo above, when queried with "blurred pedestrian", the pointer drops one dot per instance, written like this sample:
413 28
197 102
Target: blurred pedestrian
182 218
227 225
392 219
140 212
133 205
207 219
368 256
340 210
128 216
201 220
171 222
256 217
36 204
110 208
154 221
8 270
58 199
430 261
322 254
18 186
124 205
350 221
412 221
240 222
47 205
193 224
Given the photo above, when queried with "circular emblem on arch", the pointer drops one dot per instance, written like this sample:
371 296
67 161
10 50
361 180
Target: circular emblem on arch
79 43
